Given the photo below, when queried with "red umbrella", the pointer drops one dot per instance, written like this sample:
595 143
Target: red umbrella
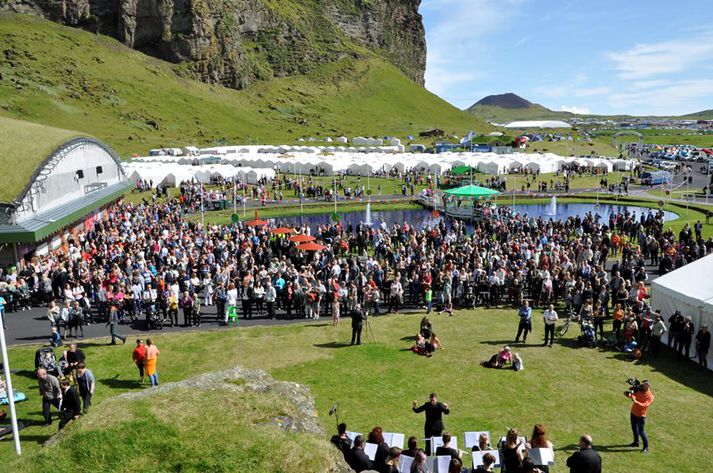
302 238
256 222
311 246
282 231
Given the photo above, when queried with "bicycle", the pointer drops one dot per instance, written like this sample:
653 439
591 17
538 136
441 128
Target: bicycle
562 330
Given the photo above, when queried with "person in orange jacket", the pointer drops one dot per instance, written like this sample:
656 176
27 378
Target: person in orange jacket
642 399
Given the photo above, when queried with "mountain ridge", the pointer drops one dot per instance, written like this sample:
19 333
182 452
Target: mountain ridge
499 107
238 42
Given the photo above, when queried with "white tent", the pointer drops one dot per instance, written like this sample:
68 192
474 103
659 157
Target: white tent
688 289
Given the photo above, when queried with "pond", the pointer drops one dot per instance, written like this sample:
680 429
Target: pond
422 218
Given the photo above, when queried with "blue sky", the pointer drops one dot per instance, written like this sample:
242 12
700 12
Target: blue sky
588 56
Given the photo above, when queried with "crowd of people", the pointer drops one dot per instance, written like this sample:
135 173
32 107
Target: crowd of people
150 261
68 385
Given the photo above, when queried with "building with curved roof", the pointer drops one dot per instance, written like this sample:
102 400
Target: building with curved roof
53 179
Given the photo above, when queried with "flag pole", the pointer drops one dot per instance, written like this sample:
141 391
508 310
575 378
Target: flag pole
10 392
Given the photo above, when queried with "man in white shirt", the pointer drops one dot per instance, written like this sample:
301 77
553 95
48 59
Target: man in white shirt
550 317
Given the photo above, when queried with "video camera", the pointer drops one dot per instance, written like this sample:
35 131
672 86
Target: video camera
635 386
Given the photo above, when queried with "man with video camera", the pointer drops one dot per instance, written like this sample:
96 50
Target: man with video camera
642 397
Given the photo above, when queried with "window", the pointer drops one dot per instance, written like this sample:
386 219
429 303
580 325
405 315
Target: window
80 174
99 170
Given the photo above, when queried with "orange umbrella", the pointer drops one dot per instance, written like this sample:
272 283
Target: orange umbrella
282 231
311 246
302 238
256 223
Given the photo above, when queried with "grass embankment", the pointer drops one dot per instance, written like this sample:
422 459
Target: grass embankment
573 390
23 146
186 429
93 84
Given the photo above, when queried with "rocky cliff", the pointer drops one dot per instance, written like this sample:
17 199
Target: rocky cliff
236 42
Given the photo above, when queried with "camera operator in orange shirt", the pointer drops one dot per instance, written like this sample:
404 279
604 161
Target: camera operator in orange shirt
642 398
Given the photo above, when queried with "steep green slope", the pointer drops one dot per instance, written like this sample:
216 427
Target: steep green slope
68 78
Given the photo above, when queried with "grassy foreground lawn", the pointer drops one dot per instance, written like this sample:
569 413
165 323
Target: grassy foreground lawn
572 390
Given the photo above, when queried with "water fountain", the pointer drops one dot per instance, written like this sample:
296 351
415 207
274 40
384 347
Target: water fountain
553 206
367 217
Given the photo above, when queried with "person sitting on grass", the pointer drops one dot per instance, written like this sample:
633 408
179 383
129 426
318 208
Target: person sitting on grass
499 360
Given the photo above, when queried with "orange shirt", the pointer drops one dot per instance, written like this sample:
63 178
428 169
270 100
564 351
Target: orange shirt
619 314
642 401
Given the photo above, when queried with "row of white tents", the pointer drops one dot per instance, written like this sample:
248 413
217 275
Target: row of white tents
379 163
172 174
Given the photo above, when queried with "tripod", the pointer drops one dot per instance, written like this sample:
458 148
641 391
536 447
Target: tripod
368 327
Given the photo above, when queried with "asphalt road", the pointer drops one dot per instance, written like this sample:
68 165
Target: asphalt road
32 326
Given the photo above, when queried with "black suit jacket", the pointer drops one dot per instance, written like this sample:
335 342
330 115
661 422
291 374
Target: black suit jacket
358 460
585 461
70 402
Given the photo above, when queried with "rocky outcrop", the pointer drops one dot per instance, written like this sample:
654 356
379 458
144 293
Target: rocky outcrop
291 407
236 42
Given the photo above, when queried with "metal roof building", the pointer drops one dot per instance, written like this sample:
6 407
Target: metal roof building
52 179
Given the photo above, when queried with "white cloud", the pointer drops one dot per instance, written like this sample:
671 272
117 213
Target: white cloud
521 41
673 98
646 61
576 110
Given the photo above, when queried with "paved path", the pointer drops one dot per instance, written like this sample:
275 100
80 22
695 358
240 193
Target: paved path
32 327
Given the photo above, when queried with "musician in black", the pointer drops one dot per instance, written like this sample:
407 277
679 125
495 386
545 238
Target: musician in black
433 427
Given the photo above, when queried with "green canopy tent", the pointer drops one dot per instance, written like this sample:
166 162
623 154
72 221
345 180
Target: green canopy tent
461 170
471 191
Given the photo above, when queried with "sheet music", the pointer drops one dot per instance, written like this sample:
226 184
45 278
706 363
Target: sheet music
542 456
442 463
478 457
353 435
431 464
405 462
370 450
471 438
394 439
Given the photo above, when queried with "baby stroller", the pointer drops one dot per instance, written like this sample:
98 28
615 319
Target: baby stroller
586 339
45 358
469 296
155 320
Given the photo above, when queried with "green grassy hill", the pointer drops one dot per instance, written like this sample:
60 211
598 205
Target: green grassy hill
64 77
702 115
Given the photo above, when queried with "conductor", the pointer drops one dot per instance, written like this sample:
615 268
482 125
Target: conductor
433 426
358 317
